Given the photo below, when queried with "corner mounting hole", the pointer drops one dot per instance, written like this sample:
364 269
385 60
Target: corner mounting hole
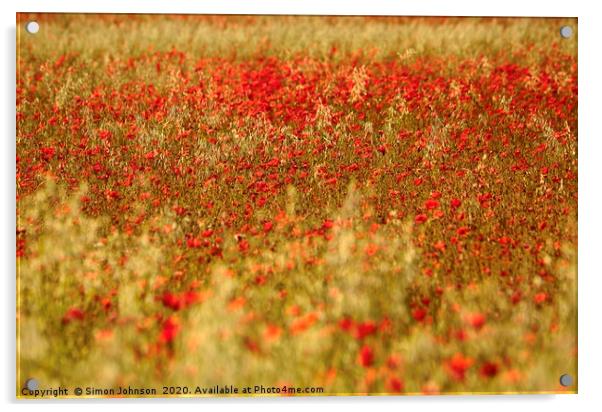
566 32
566 380
32 384
32 27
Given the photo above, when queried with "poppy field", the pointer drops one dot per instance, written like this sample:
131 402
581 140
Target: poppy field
365 205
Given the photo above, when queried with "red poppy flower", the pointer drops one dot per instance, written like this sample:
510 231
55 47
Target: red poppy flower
171 301
440 246
170 329
267 226
346 324
48 152
366 356
243 245
540 297
431 204
365 329
394 384
73 314
489 369
477 320
328 224
421 218
462 231
455 203
190 297
419 314
193 242
458 365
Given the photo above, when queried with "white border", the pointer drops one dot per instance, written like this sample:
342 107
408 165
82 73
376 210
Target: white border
383 7
590 230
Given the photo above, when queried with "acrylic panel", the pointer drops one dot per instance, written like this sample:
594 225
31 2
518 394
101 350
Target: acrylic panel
222 205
